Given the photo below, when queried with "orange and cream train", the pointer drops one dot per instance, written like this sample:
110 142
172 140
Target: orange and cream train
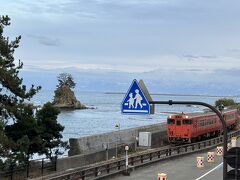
192 127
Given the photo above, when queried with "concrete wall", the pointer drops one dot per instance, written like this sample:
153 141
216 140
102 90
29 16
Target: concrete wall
101 142
86 159
100 147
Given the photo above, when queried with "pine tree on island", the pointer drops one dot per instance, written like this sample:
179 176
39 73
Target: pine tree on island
64 97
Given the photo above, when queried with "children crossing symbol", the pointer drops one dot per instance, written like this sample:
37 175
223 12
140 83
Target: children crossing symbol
135 101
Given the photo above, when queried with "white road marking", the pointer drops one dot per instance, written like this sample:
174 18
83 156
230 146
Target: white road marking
210 171
129 110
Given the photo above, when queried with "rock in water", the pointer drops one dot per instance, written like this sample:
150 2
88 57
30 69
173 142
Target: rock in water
65 99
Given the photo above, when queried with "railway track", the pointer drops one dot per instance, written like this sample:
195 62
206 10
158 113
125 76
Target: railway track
108 168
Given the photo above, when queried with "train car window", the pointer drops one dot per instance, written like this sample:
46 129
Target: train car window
178 123
206 122
187 121
171 121
178 116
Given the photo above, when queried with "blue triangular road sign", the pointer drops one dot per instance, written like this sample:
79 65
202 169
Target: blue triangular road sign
135 101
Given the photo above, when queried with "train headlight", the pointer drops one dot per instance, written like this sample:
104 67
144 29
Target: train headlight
186 116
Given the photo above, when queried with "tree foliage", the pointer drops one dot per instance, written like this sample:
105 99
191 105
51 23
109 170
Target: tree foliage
23 131
225 102
12 95
66 79
228 102
50 131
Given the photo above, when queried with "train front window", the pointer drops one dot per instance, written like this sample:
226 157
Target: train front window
171 121
187 121
178 123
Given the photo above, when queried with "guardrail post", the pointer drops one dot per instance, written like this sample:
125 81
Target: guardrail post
27 168
193 147
83 175
108 168
42 166
55 163
141 158
132 161
199 145
178 150
96 171
159 154
11 171
186 148
119 165
150 156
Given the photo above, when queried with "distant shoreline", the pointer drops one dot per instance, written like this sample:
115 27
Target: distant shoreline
172 94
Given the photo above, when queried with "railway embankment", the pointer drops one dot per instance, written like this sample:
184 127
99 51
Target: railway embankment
96 148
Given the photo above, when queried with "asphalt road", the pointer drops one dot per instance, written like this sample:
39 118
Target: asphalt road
179 168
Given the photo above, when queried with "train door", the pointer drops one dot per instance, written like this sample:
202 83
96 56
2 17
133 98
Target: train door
170 127
195 126
178 127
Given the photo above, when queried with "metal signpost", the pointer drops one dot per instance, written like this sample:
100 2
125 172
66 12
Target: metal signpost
131 105
126 170
233 159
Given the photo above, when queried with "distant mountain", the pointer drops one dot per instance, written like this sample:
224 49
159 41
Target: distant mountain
216 83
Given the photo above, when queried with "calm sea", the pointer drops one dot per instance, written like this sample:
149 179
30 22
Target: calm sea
106 113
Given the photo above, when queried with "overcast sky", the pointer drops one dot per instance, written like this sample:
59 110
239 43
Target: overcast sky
127 35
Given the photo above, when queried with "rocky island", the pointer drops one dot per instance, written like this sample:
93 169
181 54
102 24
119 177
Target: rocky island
64 97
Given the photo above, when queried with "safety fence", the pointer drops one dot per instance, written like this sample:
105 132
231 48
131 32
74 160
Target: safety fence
30 169
104 169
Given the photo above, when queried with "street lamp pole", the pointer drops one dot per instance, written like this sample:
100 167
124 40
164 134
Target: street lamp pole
224 125
117 126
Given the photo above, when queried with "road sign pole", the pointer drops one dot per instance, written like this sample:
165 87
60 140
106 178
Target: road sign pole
236 164
224 125
126 172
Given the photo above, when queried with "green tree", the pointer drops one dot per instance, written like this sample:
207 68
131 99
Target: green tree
50 131
225 102
23 131
66 79
12 95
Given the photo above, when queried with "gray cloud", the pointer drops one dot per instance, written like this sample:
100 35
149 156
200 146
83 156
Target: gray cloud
120 32
234 72
208 57
47 41
191 57
196 70
235 50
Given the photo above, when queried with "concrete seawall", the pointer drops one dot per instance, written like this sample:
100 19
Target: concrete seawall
91 149
100 142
